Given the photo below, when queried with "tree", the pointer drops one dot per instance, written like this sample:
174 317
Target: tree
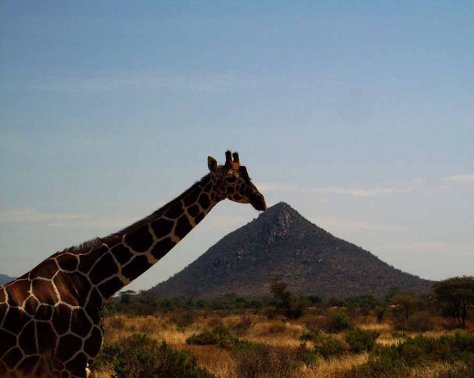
456 296
405 304
126 296
285 301
147 302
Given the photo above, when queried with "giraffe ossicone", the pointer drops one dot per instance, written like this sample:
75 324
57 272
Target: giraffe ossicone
50 322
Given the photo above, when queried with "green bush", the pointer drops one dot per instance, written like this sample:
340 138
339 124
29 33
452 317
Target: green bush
396 360
139 356
338 322
364 303
308 356
360 340
219 335
329 346
418 350
311 335
380 366
325 345
243 347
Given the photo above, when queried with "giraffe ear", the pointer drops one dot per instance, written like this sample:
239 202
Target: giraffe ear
212 164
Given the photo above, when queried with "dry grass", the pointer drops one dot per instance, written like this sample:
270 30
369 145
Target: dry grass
334 367
275 333
216 360
258 329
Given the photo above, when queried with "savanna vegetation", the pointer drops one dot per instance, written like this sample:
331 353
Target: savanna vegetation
402 335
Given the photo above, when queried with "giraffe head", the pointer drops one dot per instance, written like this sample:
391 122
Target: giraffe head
232 181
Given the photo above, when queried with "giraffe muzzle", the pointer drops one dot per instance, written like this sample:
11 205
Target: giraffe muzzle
258 202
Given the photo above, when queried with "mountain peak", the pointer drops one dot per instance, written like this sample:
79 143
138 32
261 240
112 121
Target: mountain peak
282 243
280 208
276 223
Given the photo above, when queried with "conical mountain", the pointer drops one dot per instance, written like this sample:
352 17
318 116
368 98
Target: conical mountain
281 243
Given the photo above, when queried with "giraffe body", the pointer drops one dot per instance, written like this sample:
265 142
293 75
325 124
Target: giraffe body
50 323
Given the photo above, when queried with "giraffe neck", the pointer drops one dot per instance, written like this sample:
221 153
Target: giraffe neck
118 259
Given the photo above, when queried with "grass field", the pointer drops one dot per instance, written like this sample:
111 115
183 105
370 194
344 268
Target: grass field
325 354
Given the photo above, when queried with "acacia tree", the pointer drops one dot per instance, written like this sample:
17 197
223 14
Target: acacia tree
456 296
285 301
406 304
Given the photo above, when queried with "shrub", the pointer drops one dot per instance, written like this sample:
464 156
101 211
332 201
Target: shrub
184 318
325 346
417 350
138 356
360 340
338 322
276 328
242 325
306 355
396 360
329 346
421 321
381 366
219 335
243 347
364 303
311 335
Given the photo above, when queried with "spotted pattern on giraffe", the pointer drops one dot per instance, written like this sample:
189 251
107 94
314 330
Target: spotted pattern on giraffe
50 322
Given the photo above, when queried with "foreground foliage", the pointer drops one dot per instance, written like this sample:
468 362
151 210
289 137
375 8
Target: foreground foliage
396 360
246 345
138 356
219 335
290 336
361 340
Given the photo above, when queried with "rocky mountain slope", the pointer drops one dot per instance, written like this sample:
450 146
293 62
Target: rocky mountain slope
281 243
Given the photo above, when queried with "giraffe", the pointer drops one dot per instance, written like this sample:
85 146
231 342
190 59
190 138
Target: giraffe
50 322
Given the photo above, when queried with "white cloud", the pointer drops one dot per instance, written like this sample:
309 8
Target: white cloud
461 178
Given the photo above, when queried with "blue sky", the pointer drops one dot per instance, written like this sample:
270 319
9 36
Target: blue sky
358 114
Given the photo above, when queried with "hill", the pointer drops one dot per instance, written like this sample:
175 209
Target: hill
4 279
281 243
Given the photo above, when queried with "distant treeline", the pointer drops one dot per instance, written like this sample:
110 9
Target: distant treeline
452 298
